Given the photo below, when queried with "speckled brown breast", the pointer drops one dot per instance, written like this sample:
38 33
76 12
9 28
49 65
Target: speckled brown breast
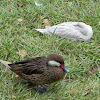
48 76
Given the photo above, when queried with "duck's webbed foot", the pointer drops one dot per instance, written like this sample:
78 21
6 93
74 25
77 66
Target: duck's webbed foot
42 89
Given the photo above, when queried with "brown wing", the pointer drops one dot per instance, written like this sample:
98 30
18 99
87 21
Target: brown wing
29 66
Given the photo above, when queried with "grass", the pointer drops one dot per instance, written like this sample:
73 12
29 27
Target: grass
79 57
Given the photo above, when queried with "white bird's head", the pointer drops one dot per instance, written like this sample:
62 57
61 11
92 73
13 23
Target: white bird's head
85 29
56 60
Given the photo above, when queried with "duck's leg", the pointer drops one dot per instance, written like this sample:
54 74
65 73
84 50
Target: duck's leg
43 88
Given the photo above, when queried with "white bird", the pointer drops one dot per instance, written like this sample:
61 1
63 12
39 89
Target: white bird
71 30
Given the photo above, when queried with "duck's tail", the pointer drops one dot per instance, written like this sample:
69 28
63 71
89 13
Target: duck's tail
41 30
6 63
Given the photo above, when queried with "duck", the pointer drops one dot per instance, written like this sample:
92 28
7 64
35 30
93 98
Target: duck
39 70
70 30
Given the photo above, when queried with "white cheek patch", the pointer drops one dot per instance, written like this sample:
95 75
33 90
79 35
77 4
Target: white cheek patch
53 63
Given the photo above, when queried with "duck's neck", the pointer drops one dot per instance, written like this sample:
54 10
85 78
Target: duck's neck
86 33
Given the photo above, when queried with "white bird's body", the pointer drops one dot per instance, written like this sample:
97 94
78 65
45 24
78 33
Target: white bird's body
71 30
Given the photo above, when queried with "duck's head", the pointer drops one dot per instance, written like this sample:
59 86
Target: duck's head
56 60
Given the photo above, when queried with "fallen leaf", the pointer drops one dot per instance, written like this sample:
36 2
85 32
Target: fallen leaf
21 28
41 17
38 4
93 70
17 76
91 43
5 69
20 20
34 19
89 89
10 9
74 91
22 53
70 4
20 4
99 23
87 93
11 96
35 56
46 22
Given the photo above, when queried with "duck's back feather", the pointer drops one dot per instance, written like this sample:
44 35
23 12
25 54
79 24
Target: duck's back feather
29 66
